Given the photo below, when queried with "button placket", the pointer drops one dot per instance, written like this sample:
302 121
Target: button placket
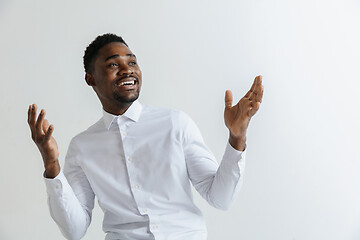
154 223
129 161
154 227
143 211
122 132
122 127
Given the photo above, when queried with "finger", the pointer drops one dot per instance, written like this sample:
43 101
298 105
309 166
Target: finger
29 114
48 133
260 94
45 125
257 86
228 99
257 92
248 94
29 121
255 107
32 119
39 122
253 86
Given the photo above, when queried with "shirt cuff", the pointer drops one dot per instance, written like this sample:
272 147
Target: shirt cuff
231 152
54 186
234 155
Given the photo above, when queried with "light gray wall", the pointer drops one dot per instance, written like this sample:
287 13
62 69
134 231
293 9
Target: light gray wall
302 177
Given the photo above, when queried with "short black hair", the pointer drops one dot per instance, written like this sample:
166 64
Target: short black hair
92 50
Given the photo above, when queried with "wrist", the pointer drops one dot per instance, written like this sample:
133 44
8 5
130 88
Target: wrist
238 143
52 169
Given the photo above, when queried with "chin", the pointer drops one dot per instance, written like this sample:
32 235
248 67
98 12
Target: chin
126 99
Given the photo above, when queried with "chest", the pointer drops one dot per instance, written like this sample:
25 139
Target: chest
133 155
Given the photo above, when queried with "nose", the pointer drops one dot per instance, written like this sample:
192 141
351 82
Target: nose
125 70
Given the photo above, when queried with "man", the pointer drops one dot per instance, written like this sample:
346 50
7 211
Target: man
139 160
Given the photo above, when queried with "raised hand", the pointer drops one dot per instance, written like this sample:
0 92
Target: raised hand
41 133
237 117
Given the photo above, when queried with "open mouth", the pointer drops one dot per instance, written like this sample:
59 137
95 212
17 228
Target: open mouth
127 83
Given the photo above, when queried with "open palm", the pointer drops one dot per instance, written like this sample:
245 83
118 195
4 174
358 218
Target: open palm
41 133
237 117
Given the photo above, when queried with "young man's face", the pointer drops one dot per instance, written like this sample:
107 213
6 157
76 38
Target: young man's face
116 76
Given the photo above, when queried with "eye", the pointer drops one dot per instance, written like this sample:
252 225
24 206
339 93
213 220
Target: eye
132 63
113 65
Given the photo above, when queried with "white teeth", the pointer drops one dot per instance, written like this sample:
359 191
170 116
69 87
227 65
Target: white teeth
127 83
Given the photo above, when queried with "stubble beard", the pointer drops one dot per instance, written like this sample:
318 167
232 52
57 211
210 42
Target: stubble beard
126 99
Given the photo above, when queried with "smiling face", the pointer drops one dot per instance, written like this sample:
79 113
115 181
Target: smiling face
115 77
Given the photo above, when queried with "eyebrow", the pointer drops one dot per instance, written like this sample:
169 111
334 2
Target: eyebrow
117 55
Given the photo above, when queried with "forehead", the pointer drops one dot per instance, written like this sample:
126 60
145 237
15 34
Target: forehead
114 48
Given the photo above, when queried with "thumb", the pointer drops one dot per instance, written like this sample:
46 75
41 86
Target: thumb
228 99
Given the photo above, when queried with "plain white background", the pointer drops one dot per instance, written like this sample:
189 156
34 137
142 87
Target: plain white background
302 172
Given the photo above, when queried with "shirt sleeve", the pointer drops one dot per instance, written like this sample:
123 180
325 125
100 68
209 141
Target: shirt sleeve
217 184
70 197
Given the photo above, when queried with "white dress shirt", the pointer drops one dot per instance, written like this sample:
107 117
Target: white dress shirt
140 165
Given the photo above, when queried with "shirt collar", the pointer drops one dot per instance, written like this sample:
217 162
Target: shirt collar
133 113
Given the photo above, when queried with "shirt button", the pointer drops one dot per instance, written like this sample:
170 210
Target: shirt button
129 159
123 133
143 211
57 186
154 227
135 186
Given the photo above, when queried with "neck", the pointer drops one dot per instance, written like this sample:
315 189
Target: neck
118 109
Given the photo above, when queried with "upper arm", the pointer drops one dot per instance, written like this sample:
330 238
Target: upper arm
200 161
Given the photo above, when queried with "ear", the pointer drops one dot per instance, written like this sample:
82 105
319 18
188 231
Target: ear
89 79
